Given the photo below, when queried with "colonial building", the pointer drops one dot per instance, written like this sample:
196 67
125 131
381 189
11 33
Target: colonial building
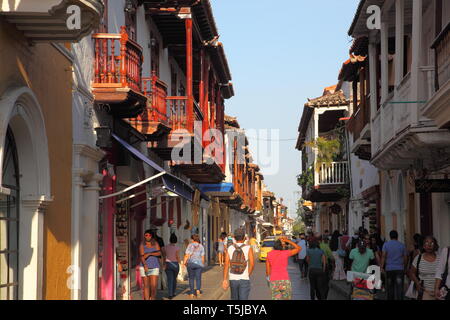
364 202
322 141
409 92
36 154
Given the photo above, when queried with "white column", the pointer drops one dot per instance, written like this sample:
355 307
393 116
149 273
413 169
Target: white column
399 40
315 151
89 238
384 61
416 74
384 75
31 247
373 85
77 200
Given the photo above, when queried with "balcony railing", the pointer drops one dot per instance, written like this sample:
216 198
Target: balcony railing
156 92
118 61
442 57
335 173
177 112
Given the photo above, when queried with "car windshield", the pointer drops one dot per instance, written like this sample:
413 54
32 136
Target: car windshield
268 243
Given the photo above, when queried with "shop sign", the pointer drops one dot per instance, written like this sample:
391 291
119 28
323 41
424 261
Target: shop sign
433 186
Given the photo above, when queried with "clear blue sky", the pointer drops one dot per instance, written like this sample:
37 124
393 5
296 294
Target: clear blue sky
281 53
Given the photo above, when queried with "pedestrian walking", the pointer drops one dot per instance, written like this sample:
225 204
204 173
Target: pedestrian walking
335 246
372 244
221 248
172 265
150 265
416 249
239 265
254 244
276 269
194 259
394 260
324 245
317 264
162 257
423 270
302 255
361 257
442 283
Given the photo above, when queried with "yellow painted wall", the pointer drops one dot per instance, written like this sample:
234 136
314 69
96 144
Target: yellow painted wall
48 73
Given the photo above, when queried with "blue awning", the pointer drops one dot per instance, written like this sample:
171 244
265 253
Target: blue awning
171 182
177 186
217 189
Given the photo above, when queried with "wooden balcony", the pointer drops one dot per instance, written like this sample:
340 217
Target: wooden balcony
328 183
334 174
117 76
359 126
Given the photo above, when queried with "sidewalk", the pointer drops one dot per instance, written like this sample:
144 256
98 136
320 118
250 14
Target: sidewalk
211 287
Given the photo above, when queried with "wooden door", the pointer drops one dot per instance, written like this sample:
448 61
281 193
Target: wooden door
426 214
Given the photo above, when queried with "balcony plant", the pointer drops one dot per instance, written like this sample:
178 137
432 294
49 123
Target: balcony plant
327 150
306 179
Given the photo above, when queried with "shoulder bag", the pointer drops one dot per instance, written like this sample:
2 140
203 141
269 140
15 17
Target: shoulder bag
412 292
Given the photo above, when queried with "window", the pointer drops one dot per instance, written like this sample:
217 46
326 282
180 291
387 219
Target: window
9 222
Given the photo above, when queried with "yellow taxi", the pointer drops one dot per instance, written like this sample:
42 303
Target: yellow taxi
266 247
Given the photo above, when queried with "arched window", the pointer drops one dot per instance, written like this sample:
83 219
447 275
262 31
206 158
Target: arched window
9 221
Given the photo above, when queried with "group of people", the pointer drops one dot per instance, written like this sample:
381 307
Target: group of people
321 257
155 257
332 257
239 263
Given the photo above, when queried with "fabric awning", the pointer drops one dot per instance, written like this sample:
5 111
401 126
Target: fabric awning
171 182
217 189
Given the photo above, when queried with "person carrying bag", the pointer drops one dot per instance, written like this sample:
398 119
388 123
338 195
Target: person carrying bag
413 292
442 279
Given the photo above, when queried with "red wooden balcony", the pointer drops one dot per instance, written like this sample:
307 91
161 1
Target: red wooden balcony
117 75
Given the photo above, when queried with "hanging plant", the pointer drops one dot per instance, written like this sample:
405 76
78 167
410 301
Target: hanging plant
327 149
306 178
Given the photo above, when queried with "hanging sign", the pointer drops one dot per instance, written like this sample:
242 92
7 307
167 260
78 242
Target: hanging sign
433 186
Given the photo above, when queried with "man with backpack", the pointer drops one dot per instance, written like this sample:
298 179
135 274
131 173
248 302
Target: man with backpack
239 264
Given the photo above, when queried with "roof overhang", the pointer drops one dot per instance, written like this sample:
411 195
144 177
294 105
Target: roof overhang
47 20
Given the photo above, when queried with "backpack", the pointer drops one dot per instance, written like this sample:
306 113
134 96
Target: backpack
238 264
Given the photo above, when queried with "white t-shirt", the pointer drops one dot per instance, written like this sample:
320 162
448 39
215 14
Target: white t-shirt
427 271
246 249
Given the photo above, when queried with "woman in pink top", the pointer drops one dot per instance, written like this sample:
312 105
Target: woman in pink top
172 265
276 269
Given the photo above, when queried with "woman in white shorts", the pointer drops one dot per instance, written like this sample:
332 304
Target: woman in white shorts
150 253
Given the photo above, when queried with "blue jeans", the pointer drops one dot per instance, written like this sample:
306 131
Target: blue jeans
195 275
240 289
172 269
